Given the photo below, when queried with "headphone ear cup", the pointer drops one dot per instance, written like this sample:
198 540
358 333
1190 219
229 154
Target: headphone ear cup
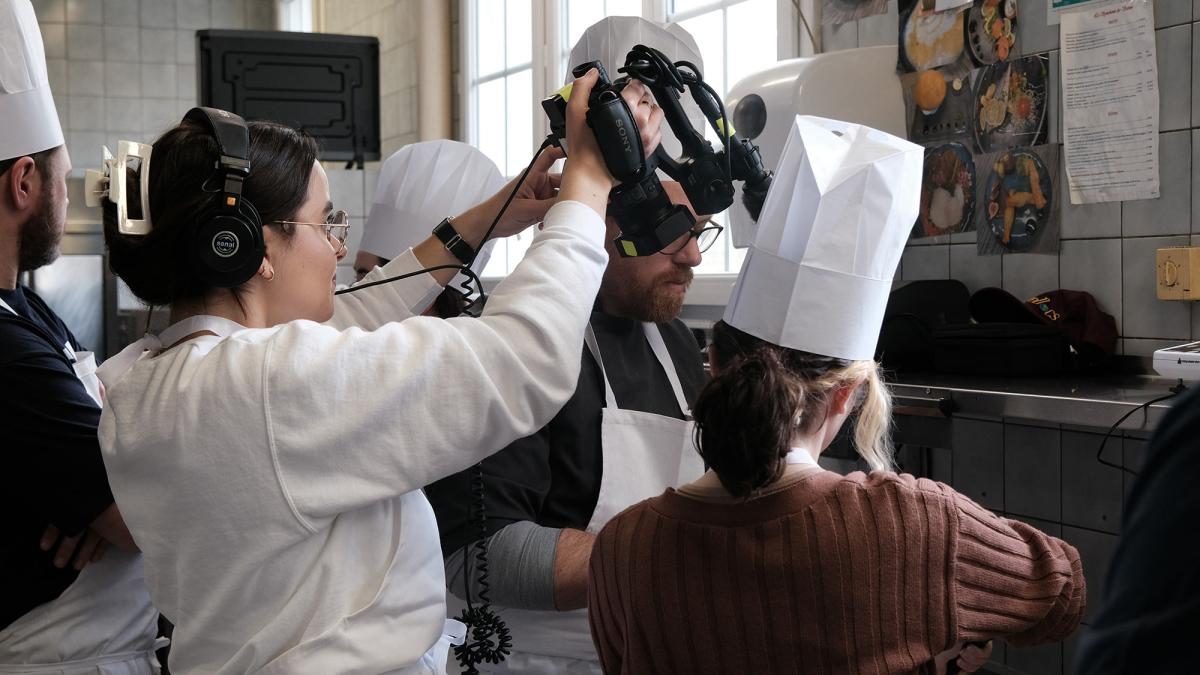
228 246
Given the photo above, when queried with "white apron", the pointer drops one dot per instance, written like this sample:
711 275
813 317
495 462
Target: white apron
644 454
453 632
103 624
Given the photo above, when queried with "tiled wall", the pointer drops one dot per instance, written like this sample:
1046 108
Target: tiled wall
125 69
1107 249
394 22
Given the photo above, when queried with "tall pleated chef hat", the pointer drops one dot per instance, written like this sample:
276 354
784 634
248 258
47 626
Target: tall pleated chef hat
30 120
831 232
609 41
419 185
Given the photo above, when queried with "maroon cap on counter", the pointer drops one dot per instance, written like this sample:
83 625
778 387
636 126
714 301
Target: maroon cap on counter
1091 330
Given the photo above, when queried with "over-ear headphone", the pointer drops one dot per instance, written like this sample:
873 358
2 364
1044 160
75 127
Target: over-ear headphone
226 247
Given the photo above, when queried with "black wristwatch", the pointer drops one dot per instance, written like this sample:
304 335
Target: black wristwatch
454 242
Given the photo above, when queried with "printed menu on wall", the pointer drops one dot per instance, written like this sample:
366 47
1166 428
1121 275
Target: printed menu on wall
1110 103
1056 8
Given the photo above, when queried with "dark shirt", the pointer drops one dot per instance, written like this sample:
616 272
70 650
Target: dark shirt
1151 609
53 473
552 478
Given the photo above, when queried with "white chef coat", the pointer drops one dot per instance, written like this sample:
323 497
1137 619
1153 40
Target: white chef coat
272 478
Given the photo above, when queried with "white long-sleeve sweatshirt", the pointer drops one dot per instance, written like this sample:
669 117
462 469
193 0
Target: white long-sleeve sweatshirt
271 478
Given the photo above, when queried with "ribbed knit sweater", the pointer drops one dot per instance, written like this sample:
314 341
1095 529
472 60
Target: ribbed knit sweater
834 574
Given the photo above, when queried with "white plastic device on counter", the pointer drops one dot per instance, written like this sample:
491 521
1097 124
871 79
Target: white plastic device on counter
1182 362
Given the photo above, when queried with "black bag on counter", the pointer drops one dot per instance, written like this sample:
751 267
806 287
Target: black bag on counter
913 312
1001 349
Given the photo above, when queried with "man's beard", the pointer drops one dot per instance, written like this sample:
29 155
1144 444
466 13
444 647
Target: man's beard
39 238
657 304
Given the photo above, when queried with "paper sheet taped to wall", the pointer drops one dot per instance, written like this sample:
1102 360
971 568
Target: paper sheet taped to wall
1110 103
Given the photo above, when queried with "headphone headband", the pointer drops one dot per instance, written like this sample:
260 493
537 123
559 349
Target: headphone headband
233 140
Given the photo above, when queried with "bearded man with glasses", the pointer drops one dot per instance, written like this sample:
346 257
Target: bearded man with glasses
625 435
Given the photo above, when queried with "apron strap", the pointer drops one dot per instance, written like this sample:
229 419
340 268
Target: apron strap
654 337
115 366
589 339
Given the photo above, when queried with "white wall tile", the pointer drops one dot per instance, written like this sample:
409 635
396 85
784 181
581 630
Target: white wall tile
346 190
1145 316
192 13
1171 213
54 40
1174 77
121 43
50 10
158 13
1094 265
159 114
85 148
926 262
185 82
85 42
1144 348
125 114
85 78
157 45
1171 12
185 46
158 79
123 80
87 113
56 73
974 270
228 14
1027 274
85 11
1033 35
121 13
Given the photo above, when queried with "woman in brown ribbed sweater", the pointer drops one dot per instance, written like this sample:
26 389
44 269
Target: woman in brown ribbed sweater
768 564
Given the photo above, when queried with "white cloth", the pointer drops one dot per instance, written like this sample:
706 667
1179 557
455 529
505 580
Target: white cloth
609 41
419 185
829 238
26 106
273 477
103 623
644 454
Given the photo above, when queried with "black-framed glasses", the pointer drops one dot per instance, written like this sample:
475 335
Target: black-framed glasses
705 237
336 228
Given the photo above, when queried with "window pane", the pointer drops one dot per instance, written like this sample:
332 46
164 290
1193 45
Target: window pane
623 7
520 32
751 24
489 37
680 6
580 15
519 121
710 37
489 116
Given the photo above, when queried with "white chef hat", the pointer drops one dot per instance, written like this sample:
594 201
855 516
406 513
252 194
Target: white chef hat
831 232
609 41
30 121
421 184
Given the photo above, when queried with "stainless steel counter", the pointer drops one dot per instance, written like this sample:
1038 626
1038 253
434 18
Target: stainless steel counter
1090 401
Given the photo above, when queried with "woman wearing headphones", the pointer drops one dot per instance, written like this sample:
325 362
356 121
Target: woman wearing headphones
278 507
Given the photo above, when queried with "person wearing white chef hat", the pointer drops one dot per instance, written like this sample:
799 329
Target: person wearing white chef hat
769 563
66 605
622 437
421 183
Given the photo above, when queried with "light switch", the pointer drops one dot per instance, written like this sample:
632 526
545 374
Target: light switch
1178 271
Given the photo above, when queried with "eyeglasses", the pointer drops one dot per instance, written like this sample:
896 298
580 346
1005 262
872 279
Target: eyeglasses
336 227
705 238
